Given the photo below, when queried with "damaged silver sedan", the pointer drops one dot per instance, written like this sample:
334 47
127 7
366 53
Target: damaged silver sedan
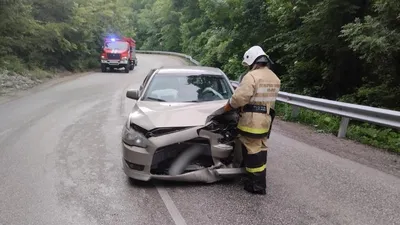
177 129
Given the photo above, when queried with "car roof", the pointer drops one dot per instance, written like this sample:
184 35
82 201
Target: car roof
189 70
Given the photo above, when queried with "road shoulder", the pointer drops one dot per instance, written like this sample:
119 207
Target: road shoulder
373 157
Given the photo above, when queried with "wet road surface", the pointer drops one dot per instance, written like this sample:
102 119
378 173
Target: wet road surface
60 163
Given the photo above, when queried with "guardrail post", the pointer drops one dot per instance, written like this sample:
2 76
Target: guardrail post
295 111
344 123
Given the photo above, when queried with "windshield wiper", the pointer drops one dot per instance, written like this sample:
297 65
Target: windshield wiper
156 99
198 101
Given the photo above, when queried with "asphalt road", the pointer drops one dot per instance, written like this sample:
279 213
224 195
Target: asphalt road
60 163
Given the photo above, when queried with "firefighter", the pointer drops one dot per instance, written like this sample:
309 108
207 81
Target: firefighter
255 99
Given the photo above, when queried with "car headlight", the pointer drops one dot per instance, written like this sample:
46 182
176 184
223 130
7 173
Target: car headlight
124 58
133 138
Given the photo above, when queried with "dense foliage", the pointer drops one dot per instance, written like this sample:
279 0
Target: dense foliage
58 34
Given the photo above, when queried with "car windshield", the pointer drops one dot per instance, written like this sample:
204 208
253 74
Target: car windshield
191 88
120 45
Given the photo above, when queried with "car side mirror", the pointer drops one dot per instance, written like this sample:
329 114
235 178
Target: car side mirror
133 94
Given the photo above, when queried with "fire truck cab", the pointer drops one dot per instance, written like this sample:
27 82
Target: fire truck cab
118 52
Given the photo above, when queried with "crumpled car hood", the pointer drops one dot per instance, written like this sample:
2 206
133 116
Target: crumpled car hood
151 114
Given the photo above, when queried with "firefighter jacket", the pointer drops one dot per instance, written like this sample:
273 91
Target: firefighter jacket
255 97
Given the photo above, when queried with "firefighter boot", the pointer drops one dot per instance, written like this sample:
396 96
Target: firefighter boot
256 173
256 184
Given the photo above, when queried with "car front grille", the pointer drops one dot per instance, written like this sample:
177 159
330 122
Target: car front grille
171 151
113 56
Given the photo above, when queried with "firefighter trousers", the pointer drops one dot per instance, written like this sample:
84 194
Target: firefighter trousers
255 161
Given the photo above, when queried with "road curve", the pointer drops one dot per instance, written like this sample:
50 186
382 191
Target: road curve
60 163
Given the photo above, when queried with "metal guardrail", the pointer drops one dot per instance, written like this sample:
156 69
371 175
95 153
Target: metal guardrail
171 53
384 117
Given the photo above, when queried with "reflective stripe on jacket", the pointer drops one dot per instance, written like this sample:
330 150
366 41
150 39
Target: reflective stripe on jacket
258 87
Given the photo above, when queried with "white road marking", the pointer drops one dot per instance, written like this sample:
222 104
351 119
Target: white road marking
173 211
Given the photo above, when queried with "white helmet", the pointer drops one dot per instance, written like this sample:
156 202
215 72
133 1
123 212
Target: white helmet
252 54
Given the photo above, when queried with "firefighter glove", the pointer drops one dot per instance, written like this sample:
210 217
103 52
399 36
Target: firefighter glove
227 107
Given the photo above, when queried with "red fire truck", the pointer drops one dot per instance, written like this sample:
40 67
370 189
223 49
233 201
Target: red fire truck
118 52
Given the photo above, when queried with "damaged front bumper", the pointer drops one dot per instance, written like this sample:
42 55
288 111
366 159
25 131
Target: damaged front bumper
139 163
206 175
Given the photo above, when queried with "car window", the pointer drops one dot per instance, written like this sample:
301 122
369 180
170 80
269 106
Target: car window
147 78
189 88
120 45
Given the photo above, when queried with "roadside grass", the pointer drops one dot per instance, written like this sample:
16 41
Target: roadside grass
376 136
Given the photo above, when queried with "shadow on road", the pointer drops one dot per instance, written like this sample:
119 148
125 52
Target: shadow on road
180 184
